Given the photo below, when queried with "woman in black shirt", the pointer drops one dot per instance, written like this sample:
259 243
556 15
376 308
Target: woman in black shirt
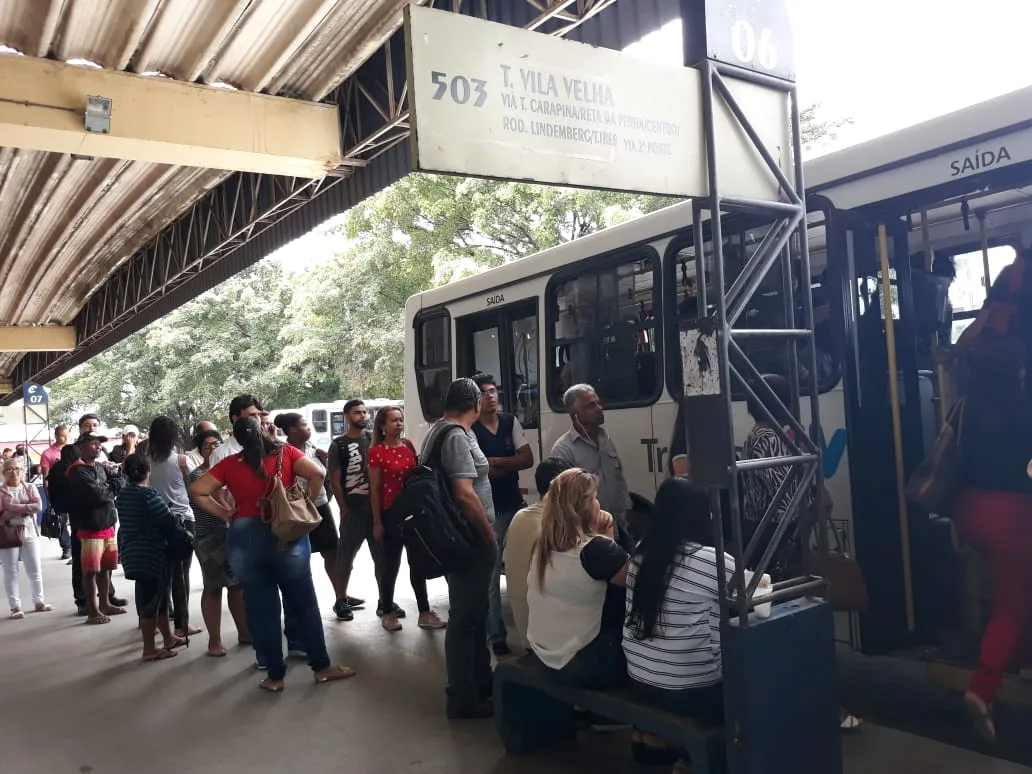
994 509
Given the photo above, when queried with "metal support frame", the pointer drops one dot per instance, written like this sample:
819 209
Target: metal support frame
191 253
726 307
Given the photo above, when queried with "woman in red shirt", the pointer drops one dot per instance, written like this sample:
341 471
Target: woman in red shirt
390 458
264 567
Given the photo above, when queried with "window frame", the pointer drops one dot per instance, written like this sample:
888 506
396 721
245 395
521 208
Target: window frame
595 265
679 242
418 324
502 317
325 421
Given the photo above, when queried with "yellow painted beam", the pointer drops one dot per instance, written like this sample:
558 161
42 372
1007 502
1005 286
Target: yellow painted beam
37 338
6 386
43 105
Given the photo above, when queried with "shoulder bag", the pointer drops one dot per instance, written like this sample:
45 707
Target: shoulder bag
287 510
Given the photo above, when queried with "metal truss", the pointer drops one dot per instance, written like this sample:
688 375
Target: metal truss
786 219
223 220
374 120
373 103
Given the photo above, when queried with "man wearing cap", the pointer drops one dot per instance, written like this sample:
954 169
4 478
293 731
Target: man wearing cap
130 435
93 488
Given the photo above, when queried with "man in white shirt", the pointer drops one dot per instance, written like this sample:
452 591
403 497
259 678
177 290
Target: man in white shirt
519 544
194 457
240 406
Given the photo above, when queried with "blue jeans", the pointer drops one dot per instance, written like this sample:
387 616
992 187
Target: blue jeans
496 631
265 571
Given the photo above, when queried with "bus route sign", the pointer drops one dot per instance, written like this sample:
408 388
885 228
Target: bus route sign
491 100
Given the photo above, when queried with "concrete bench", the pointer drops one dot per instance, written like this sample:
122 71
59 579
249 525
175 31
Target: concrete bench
533 711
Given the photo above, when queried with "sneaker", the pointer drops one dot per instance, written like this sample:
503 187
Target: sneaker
117 601
343 610
501 649
66 555
390 623
296 650
398 612
431 620
259 662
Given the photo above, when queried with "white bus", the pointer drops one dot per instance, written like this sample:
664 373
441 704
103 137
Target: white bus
327 419
604 309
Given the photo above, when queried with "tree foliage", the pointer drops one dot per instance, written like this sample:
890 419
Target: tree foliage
335 328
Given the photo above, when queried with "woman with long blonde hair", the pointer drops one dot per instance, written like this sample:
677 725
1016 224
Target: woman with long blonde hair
575 588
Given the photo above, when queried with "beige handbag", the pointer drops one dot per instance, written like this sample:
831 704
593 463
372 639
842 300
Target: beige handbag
287 510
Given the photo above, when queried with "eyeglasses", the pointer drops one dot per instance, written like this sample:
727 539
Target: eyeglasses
211 445
489 391
19 471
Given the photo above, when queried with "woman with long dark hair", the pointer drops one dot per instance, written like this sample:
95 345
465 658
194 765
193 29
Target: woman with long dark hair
994 510
575 594
168 477
265 565
391 456
671 637
324 538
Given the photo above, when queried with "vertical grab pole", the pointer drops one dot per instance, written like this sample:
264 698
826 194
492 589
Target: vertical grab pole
897 425
940 369
985 250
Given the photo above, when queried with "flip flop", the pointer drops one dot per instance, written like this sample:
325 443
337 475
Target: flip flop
268 685
219 653
114 611
178 642
981 721
97 620
42 607
342 673
160 655
17 614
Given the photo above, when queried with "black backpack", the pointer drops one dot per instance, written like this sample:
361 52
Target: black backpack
438 538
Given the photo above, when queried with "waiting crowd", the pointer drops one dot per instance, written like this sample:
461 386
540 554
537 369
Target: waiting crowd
596 603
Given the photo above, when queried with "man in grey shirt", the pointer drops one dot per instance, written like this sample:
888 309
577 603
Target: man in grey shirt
588 446
466 657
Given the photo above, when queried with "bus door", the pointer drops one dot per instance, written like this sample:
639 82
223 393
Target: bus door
888 419
503 342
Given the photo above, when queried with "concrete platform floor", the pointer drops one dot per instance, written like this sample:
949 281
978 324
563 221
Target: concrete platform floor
75 700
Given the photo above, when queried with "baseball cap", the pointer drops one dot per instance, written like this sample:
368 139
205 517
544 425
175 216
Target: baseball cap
90 436
130 430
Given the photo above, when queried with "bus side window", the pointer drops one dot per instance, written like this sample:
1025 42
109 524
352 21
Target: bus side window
433 362
603 332
320 424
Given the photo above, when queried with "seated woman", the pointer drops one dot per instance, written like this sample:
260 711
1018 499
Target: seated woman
146 526
575 592
671 638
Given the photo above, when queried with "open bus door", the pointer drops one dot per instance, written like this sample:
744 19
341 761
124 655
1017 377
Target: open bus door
503 342
907 558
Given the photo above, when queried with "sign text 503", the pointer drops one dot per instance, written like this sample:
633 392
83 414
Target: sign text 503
460 88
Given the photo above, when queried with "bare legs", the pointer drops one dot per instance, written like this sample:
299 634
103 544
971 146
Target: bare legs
211 611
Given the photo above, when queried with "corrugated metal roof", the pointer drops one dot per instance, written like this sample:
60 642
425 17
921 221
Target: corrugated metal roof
65 225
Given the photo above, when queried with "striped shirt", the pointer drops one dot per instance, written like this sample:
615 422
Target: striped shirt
684 650
145 526
206 524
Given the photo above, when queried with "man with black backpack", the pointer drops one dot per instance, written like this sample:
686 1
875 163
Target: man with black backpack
452 442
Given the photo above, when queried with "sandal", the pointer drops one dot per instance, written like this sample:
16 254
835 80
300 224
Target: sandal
97 620
159 655
330 674
17 613
113 611
43 607
178 642
980 715
272 686
216 652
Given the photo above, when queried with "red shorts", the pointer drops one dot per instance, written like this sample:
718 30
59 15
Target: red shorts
99 550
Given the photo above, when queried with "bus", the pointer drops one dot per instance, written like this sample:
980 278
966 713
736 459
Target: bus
327 419
942 204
